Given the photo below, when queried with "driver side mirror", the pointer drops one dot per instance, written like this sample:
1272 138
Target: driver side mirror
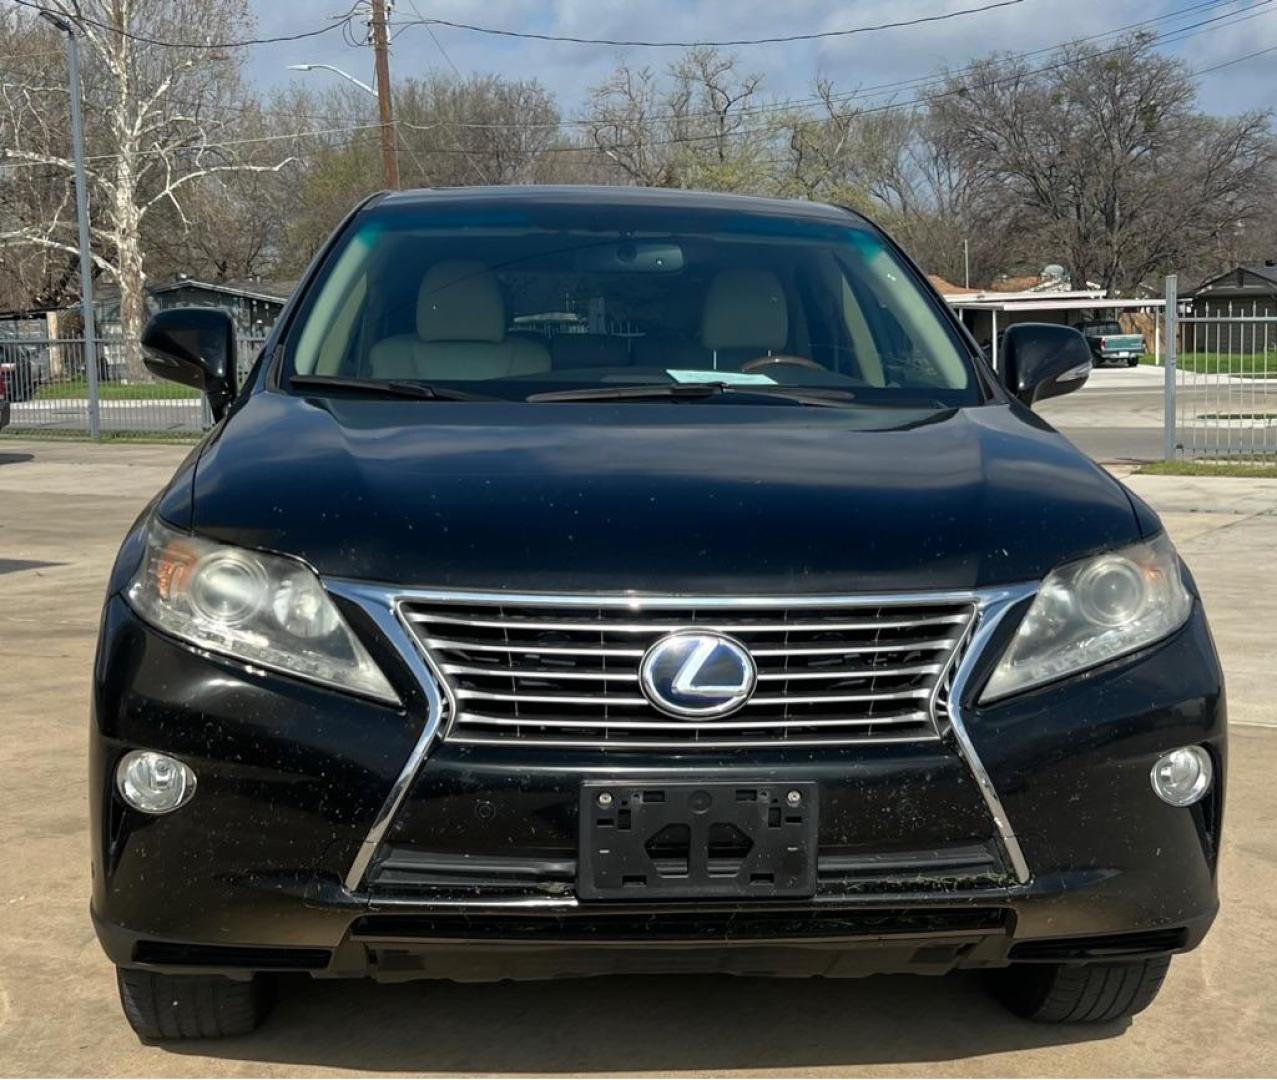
1043 360
194 346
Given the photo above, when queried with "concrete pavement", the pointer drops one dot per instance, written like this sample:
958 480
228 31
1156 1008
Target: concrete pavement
63 509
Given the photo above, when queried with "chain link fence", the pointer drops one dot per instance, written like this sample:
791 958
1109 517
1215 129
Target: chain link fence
1221 380
49 390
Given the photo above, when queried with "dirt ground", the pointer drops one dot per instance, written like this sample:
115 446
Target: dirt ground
63 509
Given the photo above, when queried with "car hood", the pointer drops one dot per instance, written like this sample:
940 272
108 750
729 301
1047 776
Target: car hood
713 498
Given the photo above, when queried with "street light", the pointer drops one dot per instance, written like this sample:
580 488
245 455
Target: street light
336 71
389 162
82 218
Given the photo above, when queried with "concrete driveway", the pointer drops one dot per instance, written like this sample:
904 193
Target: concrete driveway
63 509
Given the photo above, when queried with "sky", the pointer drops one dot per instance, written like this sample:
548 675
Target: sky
860 60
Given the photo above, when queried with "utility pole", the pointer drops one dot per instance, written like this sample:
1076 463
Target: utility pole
389 159
966 264
82 216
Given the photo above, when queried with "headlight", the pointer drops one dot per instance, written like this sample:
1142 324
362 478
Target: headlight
1091 611
259 608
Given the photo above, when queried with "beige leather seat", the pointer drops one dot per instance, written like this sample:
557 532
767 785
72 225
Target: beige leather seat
745 316
460 334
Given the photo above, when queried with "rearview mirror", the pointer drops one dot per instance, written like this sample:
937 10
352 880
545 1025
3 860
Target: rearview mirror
631 257
1043 360
194 346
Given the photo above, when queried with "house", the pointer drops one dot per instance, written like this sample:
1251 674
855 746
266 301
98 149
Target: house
1244 292
253 305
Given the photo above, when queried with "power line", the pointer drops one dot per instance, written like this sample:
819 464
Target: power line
340 20
1235 60
1167 37
778 40
587 148
455 141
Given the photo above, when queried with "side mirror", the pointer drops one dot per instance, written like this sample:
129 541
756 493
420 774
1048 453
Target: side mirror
1043 360
194 346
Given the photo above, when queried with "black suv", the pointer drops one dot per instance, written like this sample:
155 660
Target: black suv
594 581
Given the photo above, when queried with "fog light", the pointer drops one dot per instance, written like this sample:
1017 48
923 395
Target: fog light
1183 776
153 782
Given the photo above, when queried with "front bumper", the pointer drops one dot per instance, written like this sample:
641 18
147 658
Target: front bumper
473 877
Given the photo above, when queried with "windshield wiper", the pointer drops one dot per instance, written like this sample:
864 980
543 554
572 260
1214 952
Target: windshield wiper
400 388
698 391
691 391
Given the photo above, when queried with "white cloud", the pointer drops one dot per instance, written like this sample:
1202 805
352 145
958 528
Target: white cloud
867 59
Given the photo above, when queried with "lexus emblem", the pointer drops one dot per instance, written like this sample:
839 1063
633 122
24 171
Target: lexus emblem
694 673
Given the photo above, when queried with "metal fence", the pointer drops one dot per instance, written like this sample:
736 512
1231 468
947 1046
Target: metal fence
49 391
1221 382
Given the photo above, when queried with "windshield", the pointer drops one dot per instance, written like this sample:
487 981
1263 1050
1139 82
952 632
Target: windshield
513 304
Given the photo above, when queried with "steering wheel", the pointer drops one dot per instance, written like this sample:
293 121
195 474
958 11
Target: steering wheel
777 359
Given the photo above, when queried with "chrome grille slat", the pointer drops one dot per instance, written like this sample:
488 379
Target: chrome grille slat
442 643
724 626
561 743
549 671
700 727
836 674
854 650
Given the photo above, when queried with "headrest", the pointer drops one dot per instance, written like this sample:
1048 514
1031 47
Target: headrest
459 300
745 308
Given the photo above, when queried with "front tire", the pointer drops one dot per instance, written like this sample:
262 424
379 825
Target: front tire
160 1007
1080 993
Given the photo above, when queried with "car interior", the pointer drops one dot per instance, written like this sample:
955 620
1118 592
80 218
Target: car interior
536 307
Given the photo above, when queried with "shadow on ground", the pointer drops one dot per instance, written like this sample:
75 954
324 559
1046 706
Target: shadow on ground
637 1023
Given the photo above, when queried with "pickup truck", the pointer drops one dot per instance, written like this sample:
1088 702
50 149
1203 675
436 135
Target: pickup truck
1109 345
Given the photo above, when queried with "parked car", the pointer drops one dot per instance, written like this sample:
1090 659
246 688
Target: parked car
777 635
20 366
1110 345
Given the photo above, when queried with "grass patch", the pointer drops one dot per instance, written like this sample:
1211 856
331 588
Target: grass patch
1236 416
1262 468
1244 365
111 391
63 435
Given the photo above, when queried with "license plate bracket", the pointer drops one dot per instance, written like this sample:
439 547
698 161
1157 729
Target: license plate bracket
685 839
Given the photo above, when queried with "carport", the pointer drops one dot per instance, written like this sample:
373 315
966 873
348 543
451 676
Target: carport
988 313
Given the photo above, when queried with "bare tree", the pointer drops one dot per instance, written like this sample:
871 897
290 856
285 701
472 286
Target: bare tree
630 119
481 130
164 122
692 127
1102 155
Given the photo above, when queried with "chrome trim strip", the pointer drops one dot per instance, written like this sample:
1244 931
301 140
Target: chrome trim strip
676 627
834 742
933 645
701 727
548 650
640 601
382 603
380 606
758 699
839 675
993 609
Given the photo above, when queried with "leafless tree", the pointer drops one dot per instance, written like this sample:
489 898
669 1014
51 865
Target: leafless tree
694 126
163 121
1102 154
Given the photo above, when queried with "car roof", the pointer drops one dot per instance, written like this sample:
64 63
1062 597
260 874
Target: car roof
516 195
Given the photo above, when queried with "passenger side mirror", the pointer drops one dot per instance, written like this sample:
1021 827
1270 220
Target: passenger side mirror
194 346
1043 360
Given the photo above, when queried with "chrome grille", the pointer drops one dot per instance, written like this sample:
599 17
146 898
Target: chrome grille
563 671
